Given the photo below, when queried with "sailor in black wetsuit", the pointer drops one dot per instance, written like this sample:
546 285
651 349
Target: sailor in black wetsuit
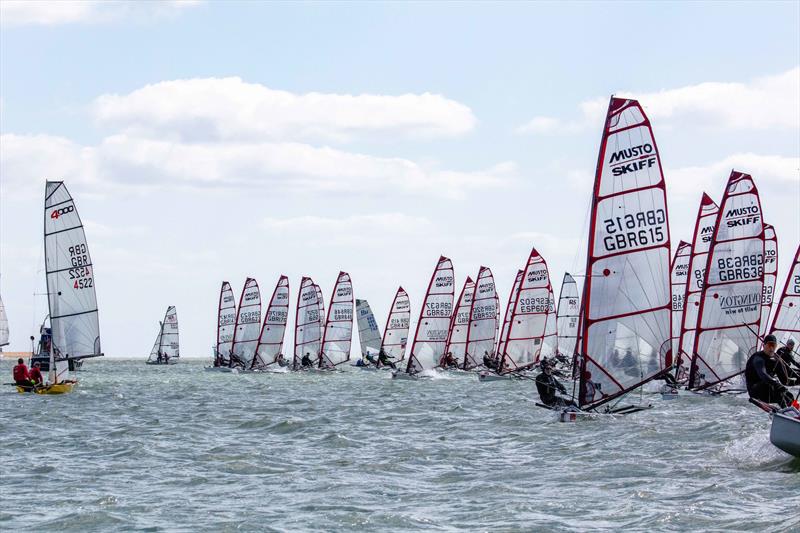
547 386
791 367
306 361
762 384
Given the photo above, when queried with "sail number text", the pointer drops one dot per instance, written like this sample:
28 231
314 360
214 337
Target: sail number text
740 268
635 230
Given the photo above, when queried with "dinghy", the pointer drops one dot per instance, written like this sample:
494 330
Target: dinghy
482 330
434 319
770 276
784 432
166 349
567 316
369 334
337 339
248 326
733 285
269 351
306 325
626 320
786 322
74 332
226 323
456 344
395 334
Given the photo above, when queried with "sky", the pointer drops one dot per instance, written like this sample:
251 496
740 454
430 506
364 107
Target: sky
210 141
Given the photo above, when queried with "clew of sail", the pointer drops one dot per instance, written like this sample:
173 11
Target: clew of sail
456 344
786 322
270 342
730 300
434 319
226 323
482 320
395 335
337 339
679 276
567 316
770 276
248 325
512 298
369 334
70 278
626 321
306 323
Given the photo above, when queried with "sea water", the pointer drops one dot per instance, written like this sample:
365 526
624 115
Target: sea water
158 448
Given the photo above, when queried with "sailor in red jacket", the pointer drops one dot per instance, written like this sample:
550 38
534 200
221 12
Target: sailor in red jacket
36 374
21 375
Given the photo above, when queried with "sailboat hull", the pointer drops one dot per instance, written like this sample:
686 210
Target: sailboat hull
485 377
404 376
785 431
57 388
171 362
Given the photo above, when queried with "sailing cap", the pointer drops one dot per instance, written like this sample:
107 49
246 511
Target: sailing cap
790 342
770 338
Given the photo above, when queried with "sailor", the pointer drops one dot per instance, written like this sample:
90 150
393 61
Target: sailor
361 362
488 362
449 361
790 364
36 374
166 358
306 360
159 358
762 383
590 388
384 359
547 385
21 375
281 360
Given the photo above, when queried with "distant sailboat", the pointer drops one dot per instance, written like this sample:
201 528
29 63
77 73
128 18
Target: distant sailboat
248 326
166 348
4 333
395 334
456 345
338 336
307 326
369 334
270 343
482 321
226 323
567 314
679 276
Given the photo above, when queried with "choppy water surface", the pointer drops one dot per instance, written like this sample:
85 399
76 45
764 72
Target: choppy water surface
178 449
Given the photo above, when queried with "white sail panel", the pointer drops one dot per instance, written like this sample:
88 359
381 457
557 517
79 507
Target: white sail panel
456 344
626 325
170 344
306 323
3 325
270 342
730 301
226 323
336 342
70 277
770 276
567 316
483 317
369 334
512 298
321 303
248 325
434 319
550 337
395 335
786 323
155 351
679 277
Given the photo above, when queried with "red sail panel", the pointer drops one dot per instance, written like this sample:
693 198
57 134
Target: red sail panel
434 319
482 320
626 326
730 301
786 323
679 277
770 276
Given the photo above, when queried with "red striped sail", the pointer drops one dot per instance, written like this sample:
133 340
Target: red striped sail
786 323
434 319
337 340
679 276
482 320
270 342
456 344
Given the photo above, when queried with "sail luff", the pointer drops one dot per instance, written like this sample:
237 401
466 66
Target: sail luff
395 334
4 331
157 344
273 330
321 304
456 343
434 318
482 323
337 340
786 322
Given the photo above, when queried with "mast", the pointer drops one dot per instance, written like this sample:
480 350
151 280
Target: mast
730 301
434 319
567 316
770 276
395 334
786 322
306 322
459 325
679 276
270 341
226 323
71 296
482 320
369 335
336 342
512 297
626 321
248 325
701 241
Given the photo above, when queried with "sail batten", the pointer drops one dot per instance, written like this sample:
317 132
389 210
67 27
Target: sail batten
273 330
434 319
337 339
395 334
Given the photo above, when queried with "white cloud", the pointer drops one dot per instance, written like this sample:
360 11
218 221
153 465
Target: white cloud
231 109
121 160
55 12
763 103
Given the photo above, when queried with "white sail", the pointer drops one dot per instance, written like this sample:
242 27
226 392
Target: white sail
321 304
248 325
568 313
3 325
483 317
336 342
531 308
156 350
226 324
730 302
456 344
434 319
270 342
786 322
369 334
306 323
70 278
395 335
679 276
550 337
512 298
770 276
166 345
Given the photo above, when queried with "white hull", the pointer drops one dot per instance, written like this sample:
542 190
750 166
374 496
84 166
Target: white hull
785 431
225 369
485 377
404 375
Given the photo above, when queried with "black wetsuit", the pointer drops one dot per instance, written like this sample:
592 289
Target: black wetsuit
547 387
384 359
305 361
489 363
791 367
762 384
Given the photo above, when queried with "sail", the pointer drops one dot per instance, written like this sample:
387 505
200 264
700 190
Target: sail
626 322
339 325
170 346
226 323
369 334
730 300
156 350
701 242
482 320
532 306
248 325
270 342
70 278
3 325
679 275
321 303
567 316
459 325
550 337
306 323
434 319
395 335
786 322
512 298
770 276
